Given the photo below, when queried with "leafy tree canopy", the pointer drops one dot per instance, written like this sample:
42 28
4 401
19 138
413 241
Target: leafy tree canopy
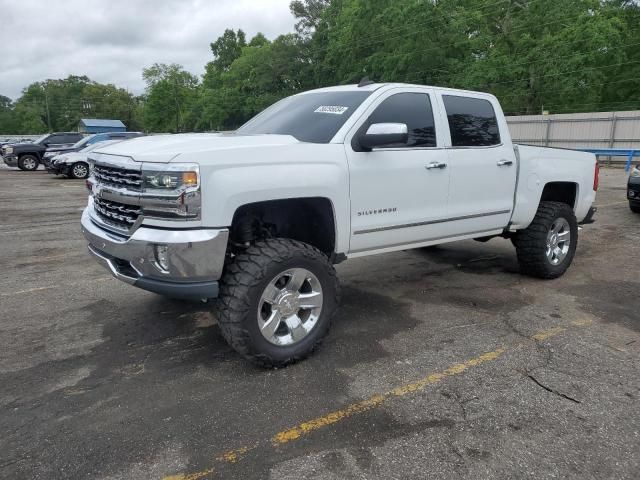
573 55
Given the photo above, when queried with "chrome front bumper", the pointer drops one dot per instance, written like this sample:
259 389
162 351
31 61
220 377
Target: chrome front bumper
195 258
10 160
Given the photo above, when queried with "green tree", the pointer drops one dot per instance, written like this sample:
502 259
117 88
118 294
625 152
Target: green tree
60 104
171 94
309 15
7 116
263 73
227 48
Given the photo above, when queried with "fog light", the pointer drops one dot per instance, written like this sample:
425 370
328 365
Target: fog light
162 257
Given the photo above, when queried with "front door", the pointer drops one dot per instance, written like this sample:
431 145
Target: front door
399 192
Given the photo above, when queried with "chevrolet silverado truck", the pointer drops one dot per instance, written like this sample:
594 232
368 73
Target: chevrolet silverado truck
257 218
28 156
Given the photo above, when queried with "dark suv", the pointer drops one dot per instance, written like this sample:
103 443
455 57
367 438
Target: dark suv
633 189
27 156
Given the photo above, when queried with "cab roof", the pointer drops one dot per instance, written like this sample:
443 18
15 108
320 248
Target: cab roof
375 86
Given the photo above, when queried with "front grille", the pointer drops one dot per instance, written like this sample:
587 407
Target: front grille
118 177
117 214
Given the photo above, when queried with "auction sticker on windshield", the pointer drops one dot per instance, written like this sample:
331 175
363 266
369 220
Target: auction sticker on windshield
335 109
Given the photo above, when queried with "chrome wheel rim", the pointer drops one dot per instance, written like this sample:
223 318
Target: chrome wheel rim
29 163
79 170
290 307
558 241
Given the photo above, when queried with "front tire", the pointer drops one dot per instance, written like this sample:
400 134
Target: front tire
79 170
28 163
546 247
277 300
634 208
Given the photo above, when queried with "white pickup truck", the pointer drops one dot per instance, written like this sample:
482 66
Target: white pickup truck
258 217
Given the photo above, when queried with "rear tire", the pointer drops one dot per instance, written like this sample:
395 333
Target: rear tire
263 313
28 163
547 246
634 208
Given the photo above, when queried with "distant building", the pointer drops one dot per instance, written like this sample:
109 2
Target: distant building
99 125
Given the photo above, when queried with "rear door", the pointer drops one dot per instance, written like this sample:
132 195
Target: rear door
481 161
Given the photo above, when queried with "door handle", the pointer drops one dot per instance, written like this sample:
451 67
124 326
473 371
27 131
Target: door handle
502 163
436 165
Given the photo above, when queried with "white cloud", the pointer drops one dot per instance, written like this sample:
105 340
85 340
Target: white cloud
112 41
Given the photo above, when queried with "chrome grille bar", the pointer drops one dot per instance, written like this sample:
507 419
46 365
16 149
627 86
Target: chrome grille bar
117 214
118 177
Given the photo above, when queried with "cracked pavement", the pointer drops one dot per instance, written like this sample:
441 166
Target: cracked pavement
101 380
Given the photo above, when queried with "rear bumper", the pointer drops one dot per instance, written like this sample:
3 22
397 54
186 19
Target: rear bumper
194 258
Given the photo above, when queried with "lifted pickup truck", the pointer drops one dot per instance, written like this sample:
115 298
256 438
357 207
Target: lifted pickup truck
258 217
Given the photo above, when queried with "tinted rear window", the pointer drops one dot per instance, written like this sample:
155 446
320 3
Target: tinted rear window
472 122
311 117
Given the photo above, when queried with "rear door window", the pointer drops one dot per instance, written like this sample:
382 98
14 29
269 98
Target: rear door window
472 121
55 140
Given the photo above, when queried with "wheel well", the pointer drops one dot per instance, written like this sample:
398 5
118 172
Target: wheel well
564 192
308 220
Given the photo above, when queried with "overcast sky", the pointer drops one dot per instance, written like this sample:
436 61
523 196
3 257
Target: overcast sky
110 41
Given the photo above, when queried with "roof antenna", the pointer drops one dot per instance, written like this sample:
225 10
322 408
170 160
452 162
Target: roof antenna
365 81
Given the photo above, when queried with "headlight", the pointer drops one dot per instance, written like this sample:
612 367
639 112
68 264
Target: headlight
8 149
154 181
636 171
171 191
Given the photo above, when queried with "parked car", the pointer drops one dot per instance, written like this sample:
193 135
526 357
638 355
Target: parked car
88 140
258 218
75 164
633 189
28 155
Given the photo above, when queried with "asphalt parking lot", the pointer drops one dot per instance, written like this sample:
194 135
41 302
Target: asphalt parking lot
442 363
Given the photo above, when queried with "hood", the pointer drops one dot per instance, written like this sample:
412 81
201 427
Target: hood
70 157
165 148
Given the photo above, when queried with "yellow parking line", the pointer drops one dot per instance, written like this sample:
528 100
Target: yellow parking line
190 476
306 427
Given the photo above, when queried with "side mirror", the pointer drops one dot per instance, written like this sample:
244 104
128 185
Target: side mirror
380 134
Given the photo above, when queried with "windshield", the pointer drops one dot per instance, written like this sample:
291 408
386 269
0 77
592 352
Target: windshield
103 143
83 142
310 117
40 139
